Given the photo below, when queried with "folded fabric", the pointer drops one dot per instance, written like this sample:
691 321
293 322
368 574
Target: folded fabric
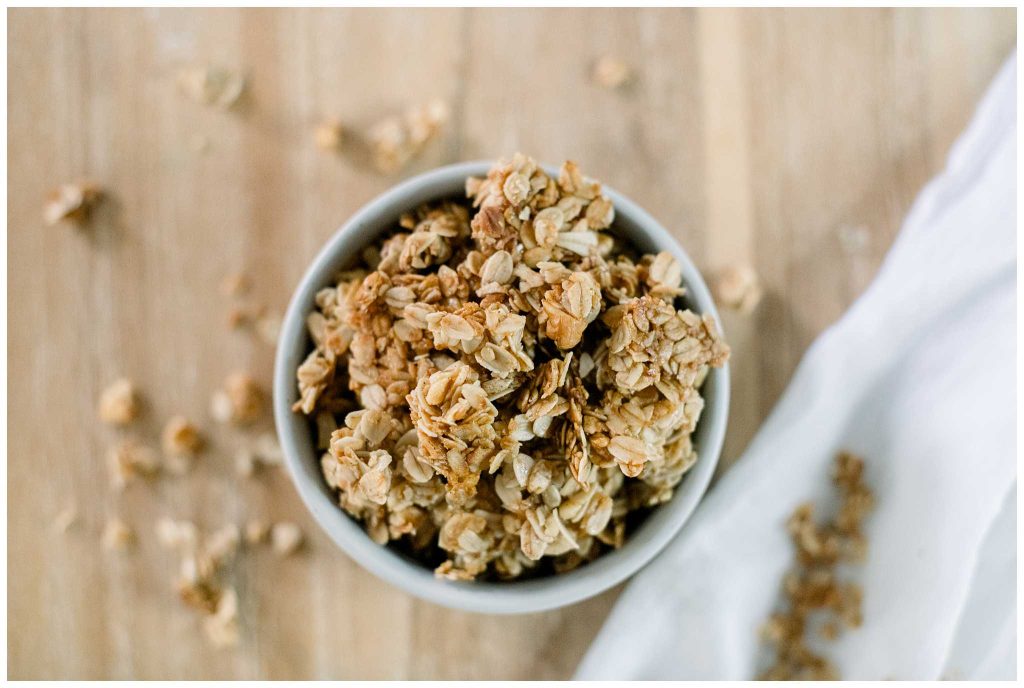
919 379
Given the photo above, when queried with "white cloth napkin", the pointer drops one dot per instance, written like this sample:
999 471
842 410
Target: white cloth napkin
919 379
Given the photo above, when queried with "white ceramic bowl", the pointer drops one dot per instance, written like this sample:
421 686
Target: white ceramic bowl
303 462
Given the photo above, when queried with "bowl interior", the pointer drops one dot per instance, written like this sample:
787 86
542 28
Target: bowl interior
536 594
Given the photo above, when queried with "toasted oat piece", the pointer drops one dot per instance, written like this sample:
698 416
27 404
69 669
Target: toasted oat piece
240 401
246 463
738 288
256 531
131 459
181 437
264 451
329 135
178 535
212 85
119 403
222 544
286 538
71 202
222 627
396 140
268 449
268 328
117 535
611 72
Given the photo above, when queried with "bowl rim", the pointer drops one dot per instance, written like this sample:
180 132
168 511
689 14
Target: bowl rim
302 459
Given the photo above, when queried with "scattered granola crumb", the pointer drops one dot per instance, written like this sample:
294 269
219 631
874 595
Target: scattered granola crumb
181 437
263 451
65 519
329 135
813 587
738 288
71 202
397 140
506 379
611 72
286 538
268 328
119 403
222 544
246 462
237 318
178 535
268 449
240 401
256 531
235 284
129 460
221 627
117 535
212 85
202 563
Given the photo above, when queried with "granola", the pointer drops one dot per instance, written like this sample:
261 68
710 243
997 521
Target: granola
129 460
814 586
181 437
71 202
610 72
198 583
738 288
119 403
286 538
396 140
503 384
240 401
215 86
117 535
329 135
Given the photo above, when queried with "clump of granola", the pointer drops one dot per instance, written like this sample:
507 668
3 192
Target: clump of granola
119 403
329 135
814 586
504 382
181 437
71 202
117 535
210 85
610 72
738 288
129 460
285 538
240 401
396 140
199 580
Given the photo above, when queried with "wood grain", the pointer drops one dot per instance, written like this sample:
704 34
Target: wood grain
753 135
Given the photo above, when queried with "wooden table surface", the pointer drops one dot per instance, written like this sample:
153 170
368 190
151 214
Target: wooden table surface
755 136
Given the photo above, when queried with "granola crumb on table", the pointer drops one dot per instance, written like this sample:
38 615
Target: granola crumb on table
505 381
72 203
119 403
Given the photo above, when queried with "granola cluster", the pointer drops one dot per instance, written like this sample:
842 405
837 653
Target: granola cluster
503 382
813 590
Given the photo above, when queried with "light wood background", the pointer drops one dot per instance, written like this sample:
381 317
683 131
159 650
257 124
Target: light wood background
753 135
